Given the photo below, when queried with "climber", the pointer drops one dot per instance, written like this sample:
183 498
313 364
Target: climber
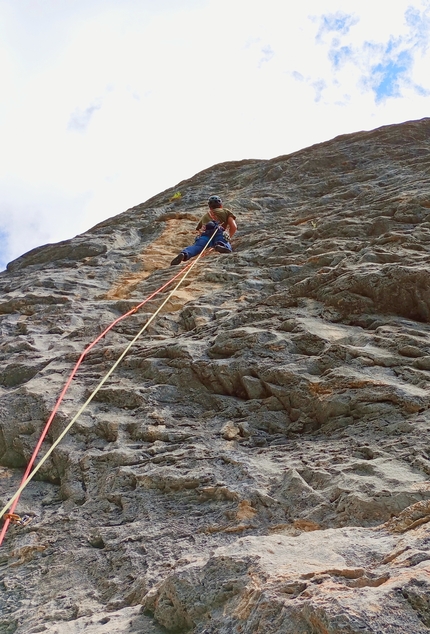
216 217
217 213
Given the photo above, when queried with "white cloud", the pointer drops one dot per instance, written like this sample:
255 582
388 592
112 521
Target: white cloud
386 59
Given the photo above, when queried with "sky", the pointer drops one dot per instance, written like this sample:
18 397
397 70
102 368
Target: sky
105 103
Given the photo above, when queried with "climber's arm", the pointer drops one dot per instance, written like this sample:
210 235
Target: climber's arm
231 226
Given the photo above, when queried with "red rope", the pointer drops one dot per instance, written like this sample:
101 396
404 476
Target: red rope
67 385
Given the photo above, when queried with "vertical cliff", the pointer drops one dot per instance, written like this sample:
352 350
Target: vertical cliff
259 461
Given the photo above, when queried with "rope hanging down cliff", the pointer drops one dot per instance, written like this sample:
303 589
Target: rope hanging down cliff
30 473
66 387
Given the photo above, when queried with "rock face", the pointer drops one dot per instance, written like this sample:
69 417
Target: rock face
259 461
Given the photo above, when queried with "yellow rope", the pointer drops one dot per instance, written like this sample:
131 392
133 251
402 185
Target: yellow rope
99 386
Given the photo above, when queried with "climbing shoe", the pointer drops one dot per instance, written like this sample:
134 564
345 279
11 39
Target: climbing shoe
179 258
220 248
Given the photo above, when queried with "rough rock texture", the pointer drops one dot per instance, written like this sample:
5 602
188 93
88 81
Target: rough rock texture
259 462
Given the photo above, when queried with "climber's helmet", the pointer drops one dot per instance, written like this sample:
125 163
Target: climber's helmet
215 202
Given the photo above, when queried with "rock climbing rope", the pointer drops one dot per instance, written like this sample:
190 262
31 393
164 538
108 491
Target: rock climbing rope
30 472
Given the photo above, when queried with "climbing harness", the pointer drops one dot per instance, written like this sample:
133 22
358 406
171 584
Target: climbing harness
30 472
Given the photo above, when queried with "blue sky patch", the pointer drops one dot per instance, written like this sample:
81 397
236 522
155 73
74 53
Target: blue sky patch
387 75
338 56
386 68
421 91
419 24
413 17
338 22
